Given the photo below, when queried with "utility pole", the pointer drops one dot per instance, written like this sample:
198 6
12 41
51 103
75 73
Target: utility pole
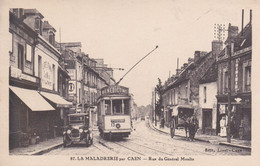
231 47
82 85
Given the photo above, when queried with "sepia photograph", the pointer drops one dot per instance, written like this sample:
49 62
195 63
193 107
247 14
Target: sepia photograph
127 81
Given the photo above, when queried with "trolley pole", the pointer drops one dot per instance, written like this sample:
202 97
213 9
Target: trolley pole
155 121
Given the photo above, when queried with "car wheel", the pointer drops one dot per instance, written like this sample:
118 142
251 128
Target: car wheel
64 145
87 140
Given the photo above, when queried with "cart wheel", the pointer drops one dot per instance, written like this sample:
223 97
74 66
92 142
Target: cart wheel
173 130
64 142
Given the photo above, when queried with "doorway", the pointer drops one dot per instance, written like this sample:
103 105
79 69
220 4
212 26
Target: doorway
206 119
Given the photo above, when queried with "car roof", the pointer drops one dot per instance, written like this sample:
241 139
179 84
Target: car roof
78 114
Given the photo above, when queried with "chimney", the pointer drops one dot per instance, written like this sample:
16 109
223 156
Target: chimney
250 16
190 60
242 28
178 71
196 56
232 33
217 47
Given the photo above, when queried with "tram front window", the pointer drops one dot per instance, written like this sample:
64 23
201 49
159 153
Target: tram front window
126 107
108 107
117 106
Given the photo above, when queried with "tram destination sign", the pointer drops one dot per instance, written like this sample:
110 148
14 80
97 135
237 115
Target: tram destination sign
109 90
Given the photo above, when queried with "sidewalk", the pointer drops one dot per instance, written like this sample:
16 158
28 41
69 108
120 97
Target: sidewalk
206 138
39 148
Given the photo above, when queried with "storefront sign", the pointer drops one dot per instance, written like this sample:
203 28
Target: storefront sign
17 73
114 90
72 87
47 81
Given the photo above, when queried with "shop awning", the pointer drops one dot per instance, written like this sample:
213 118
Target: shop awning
56 99
32 99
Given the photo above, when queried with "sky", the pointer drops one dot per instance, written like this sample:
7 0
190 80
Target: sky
123 31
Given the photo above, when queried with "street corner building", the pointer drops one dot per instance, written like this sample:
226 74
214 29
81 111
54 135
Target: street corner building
38 80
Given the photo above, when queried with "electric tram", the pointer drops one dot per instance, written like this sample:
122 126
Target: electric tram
114 112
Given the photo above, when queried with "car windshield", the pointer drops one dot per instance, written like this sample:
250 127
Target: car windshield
76 119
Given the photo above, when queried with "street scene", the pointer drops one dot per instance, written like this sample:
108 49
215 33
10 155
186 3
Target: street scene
146 141
116 82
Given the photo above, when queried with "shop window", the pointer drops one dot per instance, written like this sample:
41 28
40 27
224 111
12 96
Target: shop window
248 78
226 82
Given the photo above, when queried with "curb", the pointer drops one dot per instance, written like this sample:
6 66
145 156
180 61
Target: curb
236 146
202 140
197 139
42 151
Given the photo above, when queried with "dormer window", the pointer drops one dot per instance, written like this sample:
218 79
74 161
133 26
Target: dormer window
38 25
51 38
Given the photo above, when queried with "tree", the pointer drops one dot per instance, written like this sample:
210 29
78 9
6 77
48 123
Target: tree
158 104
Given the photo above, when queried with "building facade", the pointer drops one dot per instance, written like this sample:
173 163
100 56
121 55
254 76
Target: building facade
34 70
239 48
181 91
208 101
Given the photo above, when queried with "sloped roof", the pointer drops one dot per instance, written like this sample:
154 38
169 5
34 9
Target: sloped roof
46 25
33 11
211 75
244 40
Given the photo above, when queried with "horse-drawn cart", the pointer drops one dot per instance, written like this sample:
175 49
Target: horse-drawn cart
179 116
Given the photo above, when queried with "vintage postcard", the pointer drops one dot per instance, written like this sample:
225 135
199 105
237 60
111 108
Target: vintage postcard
115 82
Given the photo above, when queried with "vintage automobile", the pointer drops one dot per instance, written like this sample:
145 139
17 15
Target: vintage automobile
78 130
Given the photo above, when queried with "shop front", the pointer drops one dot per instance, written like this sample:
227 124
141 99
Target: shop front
30 116
60 114
240 125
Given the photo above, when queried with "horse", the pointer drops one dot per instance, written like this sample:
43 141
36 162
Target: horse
190 125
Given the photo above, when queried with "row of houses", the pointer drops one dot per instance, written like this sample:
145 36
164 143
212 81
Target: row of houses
47 79
201 85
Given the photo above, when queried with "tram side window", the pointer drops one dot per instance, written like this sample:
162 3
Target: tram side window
117 106
108 107
126 107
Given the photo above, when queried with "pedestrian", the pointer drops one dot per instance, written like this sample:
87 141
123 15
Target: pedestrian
162 122
193 127
223 129
172 126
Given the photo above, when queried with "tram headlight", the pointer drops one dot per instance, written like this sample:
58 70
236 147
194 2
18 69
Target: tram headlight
85 131
80 130
118 125
68 131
